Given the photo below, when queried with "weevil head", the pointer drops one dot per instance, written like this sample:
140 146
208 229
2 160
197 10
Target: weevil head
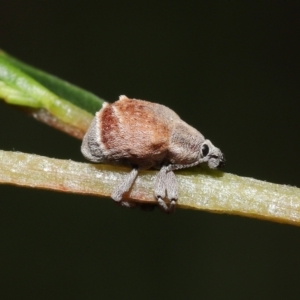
212 155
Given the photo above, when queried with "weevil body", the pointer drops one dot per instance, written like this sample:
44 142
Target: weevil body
145 135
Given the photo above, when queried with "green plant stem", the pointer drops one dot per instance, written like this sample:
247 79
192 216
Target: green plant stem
199 188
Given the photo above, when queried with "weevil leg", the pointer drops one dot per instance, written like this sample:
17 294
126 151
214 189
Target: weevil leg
124 186
172 191
161 185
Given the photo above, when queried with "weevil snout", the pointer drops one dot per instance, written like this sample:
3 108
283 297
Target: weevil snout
216 161
221 162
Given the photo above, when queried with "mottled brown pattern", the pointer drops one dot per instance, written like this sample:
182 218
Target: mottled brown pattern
109 125
135 130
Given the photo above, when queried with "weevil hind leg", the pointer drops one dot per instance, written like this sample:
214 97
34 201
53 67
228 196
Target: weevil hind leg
165 182
124 187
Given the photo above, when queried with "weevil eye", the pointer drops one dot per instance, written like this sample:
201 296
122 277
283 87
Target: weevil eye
204 150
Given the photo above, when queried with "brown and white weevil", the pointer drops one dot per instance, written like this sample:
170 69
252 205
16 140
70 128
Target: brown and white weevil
145 135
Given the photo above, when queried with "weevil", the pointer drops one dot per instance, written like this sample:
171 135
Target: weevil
144 135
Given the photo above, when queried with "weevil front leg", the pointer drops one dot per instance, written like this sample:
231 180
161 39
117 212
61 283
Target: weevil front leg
172 191
165 182
124 187
160 187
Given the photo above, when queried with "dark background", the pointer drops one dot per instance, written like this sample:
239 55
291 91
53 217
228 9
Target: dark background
230 69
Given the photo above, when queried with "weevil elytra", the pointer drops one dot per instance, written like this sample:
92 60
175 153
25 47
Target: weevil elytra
145 135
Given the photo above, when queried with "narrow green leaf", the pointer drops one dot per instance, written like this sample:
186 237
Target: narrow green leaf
61 88
51 100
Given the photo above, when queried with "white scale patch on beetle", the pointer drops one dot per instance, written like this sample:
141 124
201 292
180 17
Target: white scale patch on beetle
145 135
